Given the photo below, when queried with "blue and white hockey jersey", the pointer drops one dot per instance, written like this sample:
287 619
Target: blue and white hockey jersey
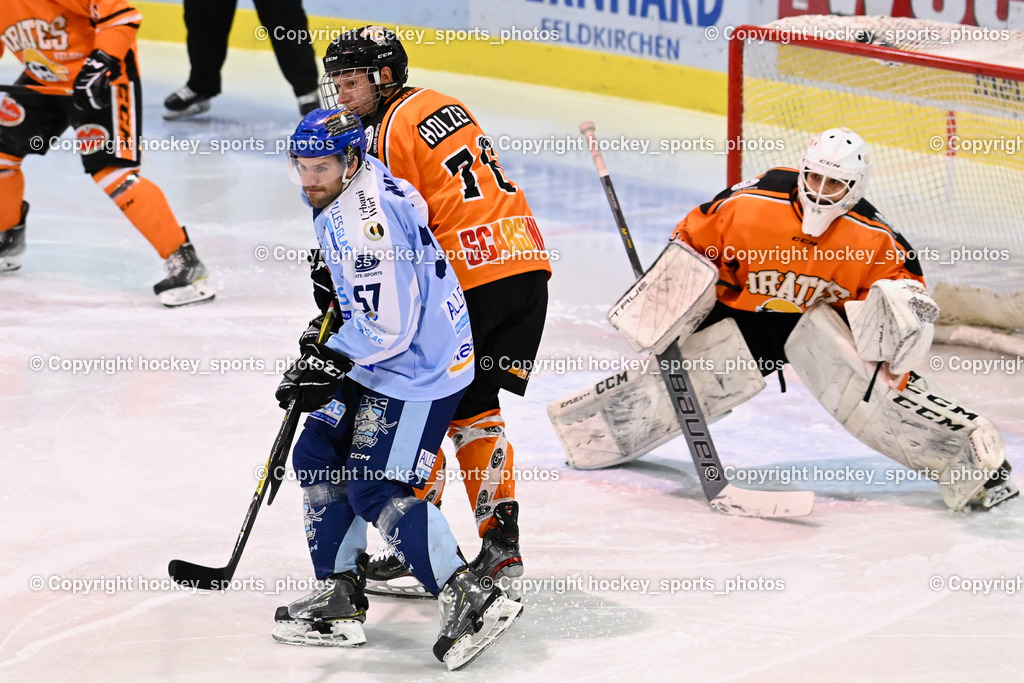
406 325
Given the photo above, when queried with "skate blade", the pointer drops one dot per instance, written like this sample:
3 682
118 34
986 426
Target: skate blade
197 292
193 110
9 264
343 633
497 619
996 495
406 587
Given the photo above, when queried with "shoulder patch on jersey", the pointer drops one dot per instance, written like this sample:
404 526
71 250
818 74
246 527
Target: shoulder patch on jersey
373 231
744 183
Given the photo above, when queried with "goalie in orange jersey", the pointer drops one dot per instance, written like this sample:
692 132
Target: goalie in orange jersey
81 70
795 266
483 222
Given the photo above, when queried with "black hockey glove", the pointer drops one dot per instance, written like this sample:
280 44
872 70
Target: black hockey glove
323 285
312 334
313 378
92 86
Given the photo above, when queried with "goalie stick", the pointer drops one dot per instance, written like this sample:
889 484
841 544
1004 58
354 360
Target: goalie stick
29 89
218 578
722 496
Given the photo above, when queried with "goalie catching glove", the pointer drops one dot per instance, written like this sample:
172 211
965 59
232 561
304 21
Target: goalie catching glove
895 324
313 378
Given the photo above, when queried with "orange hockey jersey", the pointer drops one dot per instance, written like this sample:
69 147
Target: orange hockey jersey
52 38
480 217
751 231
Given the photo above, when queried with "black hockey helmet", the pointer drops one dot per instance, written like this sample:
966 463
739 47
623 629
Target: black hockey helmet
370 47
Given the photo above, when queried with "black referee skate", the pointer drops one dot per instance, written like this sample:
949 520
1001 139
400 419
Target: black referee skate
499 558
332 616
309 102
185 103
472 618
12 244
186 279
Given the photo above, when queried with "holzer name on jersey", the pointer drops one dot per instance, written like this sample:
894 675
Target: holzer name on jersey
36 34
500 240
796 288
442 123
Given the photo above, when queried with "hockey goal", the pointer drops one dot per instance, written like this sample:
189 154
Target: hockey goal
942 106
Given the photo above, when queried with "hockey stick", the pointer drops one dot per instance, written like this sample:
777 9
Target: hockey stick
46 90
218 578
722 496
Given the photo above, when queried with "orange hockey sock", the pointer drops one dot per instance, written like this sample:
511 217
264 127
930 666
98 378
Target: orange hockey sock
12 191
486 460
145 206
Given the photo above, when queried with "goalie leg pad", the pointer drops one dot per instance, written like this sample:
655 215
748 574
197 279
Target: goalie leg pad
624 416
918 427
669 301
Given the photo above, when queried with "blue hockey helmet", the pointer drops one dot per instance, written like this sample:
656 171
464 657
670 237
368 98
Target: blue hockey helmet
327 133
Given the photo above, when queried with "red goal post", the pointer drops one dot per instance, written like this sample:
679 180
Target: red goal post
943 110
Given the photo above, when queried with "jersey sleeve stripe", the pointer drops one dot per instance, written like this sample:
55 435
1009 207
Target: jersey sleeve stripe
123 17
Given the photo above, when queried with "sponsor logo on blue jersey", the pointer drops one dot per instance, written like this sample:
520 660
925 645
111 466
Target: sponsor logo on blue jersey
366 263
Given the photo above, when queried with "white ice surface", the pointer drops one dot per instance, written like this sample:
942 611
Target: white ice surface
113 475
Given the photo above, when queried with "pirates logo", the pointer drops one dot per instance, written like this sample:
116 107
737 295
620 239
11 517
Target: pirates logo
369 422
779 306
42 69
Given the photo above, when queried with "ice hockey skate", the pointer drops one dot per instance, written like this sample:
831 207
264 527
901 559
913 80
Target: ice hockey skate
387 576
472 618
332 616
999 489
499 558
186 279
12 244
185 103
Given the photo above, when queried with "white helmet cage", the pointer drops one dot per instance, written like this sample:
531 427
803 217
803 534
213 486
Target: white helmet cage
837 154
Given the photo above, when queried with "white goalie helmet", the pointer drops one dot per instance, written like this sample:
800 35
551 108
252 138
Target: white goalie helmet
834 175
